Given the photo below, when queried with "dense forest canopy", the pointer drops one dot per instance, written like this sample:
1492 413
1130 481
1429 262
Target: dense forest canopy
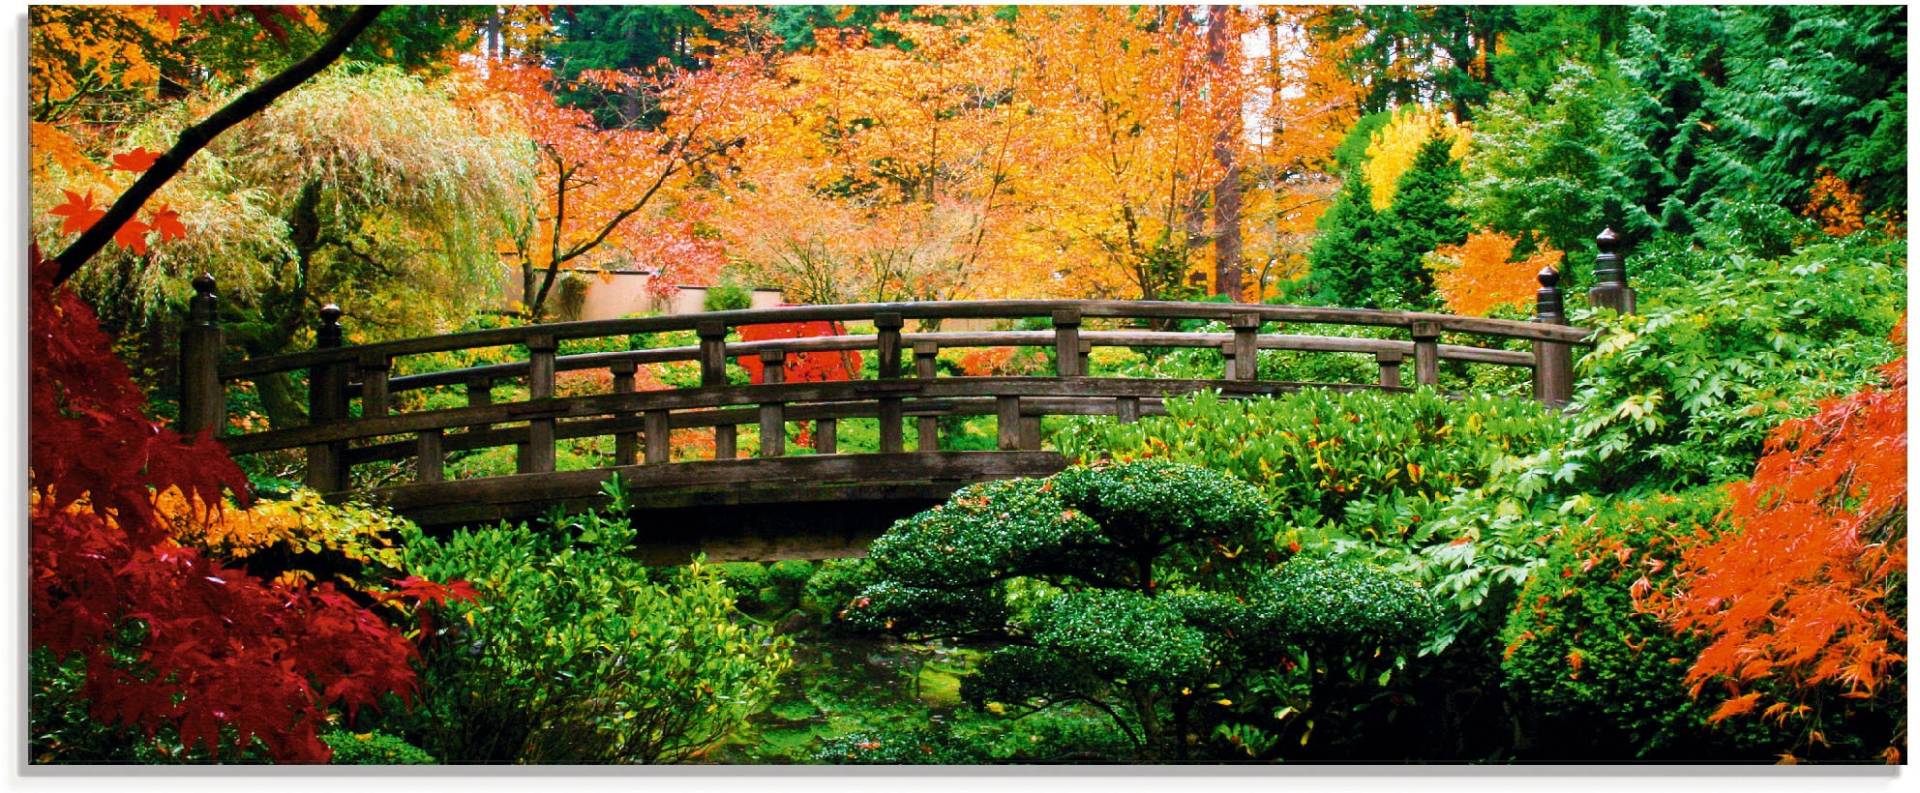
1700 558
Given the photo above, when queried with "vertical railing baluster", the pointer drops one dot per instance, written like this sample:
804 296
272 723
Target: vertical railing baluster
375 401
1007 421
626 444
713 373
887 325
538 455
1552 360
659 431
1426 353
1066 343
826 436
326 404
1246 350
1126 409
203 401
1389 367
431 456
925 366
773 415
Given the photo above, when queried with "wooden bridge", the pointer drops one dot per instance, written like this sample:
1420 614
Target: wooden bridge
789 502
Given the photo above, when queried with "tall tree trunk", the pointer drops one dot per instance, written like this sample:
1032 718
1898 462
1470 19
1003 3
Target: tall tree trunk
1226 194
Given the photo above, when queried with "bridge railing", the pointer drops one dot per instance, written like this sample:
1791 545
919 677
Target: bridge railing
341 378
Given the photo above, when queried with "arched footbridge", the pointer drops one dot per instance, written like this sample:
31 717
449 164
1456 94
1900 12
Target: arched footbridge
387 437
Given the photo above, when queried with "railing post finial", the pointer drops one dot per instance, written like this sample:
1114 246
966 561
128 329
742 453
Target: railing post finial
200 309
1610 289
1549 304
330 334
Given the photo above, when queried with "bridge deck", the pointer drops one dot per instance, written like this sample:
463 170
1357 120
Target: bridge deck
743 509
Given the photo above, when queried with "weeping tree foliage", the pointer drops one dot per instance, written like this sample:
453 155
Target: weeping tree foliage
1133 590
367 187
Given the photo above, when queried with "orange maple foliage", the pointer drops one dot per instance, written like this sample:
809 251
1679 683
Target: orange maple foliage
617 196
1479 274
1834 204
1803 591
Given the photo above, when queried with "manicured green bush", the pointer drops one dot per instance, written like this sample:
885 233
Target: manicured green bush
1127 586
572 654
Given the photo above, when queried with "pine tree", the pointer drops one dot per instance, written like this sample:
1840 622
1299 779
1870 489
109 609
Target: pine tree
1425 214
1341 269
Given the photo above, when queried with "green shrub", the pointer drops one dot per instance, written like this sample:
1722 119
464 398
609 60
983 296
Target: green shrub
1594 675
1360 465
834 584
1726 346
788 578
572 654
373 748
726 297
1126 586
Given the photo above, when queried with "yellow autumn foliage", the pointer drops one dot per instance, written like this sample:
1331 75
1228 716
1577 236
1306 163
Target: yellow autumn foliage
1479 274
1392 149
304 523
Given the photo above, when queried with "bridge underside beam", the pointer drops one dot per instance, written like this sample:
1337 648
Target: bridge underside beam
804 507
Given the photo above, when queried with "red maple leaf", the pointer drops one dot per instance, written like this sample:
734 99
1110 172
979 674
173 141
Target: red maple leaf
79 211
133 236
166 221
138 160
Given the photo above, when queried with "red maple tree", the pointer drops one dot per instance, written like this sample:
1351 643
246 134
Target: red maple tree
170 636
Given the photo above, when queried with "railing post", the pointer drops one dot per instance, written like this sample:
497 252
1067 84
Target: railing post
1007 421
925 367
1066 343
1126 409
773 415
888 325
1246 349
432 456
1426 353
479 393
374 399
713 372
826 436
537 457
1389 368
626 445
659 436
326 404
1610 289
203 402
1552 360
